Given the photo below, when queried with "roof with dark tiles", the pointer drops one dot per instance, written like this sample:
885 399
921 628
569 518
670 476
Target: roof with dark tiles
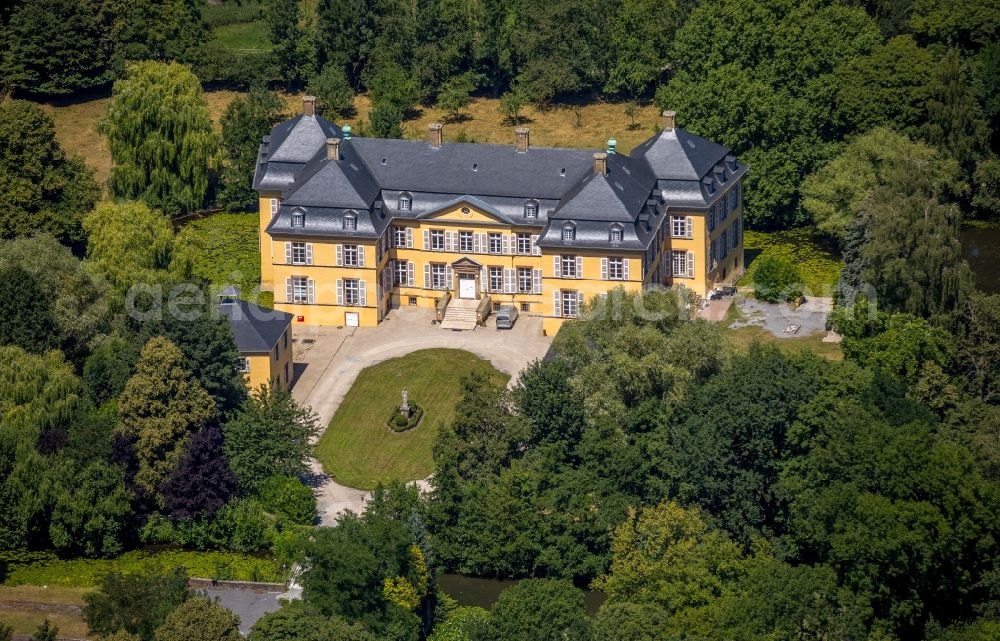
256 329
671 169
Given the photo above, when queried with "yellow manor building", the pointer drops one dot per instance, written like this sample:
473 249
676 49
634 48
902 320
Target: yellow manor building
353 227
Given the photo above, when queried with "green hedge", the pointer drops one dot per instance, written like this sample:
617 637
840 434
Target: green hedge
818 265
44 568
224 250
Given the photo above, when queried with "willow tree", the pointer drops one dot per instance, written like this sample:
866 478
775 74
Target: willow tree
127 243
163 147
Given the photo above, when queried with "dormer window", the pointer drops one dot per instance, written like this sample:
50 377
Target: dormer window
531 209
405 202
298 218
569 232
351 220
616 234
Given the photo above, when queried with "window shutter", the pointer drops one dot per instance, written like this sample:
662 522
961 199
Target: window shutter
449 277
427 275
513 243
309 253
690 264
409 237
604 269
625 262
690 227
476 247
288 253
579 303
557 266
361 255
484 283
535 249
340 255
579 266
504 244
537 280
508 280
449 241
427 240
556 311
483 247
311 291
362 293
288 290
410 278
340 291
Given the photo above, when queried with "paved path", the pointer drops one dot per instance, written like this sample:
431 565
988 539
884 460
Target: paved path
336 357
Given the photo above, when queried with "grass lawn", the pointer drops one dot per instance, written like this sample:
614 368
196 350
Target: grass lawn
743 337
359 450
818 263
247 35
25 621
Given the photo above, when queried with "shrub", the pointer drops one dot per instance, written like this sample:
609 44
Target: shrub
289 499
776 278
400 423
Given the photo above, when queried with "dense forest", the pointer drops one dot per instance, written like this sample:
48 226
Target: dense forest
712 494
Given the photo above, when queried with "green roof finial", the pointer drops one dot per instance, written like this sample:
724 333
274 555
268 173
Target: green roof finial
611 145
346 130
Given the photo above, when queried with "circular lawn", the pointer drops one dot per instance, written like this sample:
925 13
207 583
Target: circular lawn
359 450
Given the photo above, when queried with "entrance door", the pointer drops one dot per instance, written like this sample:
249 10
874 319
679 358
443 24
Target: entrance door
466 286
352 319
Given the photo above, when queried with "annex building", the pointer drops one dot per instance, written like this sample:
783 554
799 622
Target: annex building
351 227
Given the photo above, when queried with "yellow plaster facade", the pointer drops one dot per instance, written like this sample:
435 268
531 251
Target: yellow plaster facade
274 368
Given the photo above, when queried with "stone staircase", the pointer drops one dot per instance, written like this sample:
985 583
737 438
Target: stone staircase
460 314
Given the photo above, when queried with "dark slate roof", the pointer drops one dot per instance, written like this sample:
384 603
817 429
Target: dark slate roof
470 168
672 169
256 329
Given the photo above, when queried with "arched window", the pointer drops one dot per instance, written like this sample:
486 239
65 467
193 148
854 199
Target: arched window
405 201
531 209
616 234
299 218
351 220
569 232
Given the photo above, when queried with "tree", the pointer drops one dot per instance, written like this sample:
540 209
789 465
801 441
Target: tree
161 139
978 345
246 121
334 95
511 104
955 122
835 193
887 88
160 408
199 619
79 304
289 499
26 310
464 623
42 188
776 278
641 34
202 481
92 510
777 61
6 632
298 621
292 42
542 609
37 391
45 632
128 243
269 436
54 48
455 95
168 30
631 111
911 256
626 621
135 603
386 121
986 188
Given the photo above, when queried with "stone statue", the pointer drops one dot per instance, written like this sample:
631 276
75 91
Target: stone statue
404 409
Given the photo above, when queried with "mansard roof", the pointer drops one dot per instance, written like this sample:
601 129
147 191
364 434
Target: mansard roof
671 169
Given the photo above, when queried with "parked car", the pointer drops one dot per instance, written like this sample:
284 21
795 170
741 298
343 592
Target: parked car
506 317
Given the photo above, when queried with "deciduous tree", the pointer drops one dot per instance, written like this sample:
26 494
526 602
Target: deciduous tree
246 121
43 189
134 603
27 312
92 510
199 619
334 95
162 144
128 243
160 408
542 609
202 481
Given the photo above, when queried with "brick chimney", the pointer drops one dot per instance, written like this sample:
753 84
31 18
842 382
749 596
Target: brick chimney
522 139
309 106
600 163
669 120
333 148
435 134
